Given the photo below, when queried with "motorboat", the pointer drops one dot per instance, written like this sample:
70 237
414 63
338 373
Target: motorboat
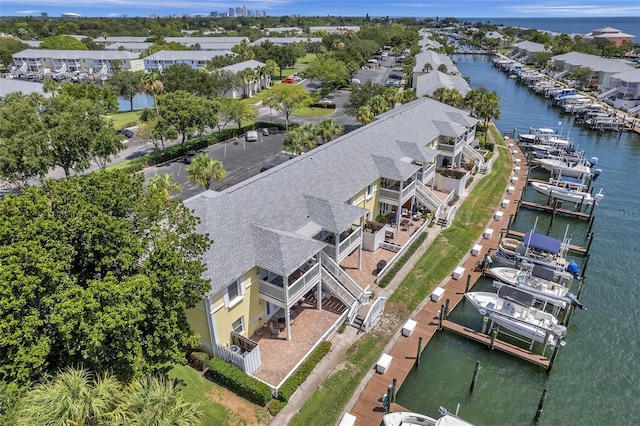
543 136
513 309
405 418
566 193
535 249
546 285
568 167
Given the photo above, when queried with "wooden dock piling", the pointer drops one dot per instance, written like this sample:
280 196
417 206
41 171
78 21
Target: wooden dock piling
475 376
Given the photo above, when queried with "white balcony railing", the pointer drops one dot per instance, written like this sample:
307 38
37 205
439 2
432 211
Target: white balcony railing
407 192
274 291
303 284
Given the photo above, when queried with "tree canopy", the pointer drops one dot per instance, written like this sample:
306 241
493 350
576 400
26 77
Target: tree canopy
286 98
96 271
62 42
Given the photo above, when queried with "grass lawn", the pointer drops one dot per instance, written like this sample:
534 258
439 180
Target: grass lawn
326 404
220 406
300 65
313 112
125 119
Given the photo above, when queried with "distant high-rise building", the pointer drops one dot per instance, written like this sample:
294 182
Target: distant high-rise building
44 14
244 11
257 13
239 11
264 13
231 12
214 14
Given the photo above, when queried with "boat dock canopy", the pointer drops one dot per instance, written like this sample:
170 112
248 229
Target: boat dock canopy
542 242
514 295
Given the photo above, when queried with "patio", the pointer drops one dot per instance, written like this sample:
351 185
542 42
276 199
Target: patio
280 356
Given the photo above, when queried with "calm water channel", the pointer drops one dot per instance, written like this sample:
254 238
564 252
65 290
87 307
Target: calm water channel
596 379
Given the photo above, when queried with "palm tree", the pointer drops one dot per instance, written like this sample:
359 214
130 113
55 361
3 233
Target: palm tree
152 85
393 96
155 401
452 97
378 104
364 114
203 170
49 85
488 108
310 133
74 397
297 140
327 128
166 183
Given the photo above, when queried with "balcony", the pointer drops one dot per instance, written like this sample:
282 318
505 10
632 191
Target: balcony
348 242
392 194
300 282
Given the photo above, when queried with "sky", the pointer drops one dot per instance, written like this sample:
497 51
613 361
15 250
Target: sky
426 8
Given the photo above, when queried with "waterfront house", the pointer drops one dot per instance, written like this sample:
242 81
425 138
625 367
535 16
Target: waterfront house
339 29
282 238
196 59
98 62
427 84
430 61
611 34
284 30
524 51
603 68
119 39
216 44
623 91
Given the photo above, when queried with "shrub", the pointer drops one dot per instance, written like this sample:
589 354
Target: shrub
453 200
198 360
469 180
293 383
400 263
239 382
275 406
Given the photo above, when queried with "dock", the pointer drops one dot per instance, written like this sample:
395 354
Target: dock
557 210
404 350
572 247
498 344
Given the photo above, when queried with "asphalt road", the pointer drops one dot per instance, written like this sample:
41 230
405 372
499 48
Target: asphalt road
241 161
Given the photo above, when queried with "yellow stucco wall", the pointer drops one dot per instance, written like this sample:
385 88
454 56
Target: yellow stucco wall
197 318
368 202
250 308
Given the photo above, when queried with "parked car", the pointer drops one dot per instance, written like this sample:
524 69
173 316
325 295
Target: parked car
398 69
126 132
251 136
326 102
288 80
265 132
188 157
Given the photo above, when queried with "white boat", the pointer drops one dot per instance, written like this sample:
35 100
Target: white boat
545 285
567 167
405 418
567 193
543 136
512 309
535 249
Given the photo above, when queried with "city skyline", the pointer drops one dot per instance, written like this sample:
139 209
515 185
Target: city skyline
468 8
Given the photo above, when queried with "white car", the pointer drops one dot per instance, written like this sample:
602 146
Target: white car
251 136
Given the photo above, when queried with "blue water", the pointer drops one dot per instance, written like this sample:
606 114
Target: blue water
596 379
140 101
626 24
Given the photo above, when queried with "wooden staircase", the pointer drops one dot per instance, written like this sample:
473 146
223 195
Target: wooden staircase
332 304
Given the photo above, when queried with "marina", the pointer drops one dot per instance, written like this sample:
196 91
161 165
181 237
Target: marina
513 386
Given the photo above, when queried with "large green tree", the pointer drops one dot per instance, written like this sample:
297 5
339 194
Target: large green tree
9 46
78 133
62 42
126 84
95 270
24 147
286 98
186 112
329 71
361 94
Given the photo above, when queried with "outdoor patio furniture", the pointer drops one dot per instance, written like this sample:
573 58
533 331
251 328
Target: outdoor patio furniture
275 330
380 266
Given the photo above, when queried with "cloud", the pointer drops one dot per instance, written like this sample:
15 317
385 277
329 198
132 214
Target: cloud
574 10
27 12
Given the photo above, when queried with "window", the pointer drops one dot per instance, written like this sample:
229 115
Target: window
238 325
233 293
369 191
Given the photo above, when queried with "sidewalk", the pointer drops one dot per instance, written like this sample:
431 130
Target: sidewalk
342 342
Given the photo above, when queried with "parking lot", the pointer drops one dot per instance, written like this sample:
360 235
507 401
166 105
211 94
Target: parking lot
241 161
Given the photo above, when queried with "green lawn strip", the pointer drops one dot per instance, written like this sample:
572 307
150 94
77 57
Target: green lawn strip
313 112
196 389
327 403
124 119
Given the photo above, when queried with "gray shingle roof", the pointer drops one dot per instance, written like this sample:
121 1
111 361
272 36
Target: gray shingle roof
417 152
253 64
530 46
427 84
184 55
278 201
594 62
331 215
449 129
282 252
394 169
76 54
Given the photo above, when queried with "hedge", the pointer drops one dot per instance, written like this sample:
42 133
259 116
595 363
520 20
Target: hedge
296 379
405 257
239 382
198 360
